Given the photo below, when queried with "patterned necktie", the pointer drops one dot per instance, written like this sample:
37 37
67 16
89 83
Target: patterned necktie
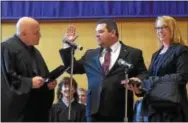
107 60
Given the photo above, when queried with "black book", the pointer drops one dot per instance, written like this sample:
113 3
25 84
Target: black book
56 73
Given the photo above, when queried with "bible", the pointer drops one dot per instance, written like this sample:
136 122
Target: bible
56 73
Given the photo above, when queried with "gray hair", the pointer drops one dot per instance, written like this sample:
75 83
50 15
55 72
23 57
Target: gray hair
18 27
20 22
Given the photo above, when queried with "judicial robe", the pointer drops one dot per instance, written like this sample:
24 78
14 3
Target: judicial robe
59 112
19 101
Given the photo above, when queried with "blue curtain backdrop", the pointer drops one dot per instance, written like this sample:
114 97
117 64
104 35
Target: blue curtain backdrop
91 9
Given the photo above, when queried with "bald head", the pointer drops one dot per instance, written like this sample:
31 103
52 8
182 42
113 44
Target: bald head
28 30
24 24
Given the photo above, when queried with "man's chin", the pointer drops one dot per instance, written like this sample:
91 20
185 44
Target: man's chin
100 44
36 43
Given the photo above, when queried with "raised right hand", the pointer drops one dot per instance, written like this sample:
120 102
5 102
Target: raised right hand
37 82
71 33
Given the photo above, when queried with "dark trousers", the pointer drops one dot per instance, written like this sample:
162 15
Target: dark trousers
99 118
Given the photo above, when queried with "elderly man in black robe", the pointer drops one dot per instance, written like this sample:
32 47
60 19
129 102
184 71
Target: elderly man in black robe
24 94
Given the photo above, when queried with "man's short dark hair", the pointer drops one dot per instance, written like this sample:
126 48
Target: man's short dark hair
110 25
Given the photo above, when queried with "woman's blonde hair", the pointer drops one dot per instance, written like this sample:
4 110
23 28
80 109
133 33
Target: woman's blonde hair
174 30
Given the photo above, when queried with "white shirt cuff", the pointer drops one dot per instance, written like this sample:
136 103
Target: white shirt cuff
65 46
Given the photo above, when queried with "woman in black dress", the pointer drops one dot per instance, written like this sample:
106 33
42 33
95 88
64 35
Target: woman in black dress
59 112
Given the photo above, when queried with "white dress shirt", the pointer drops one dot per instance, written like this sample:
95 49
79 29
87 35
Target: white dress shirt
114 54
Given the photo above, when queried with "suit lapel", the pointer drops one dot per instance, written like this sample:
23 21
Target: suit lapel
153 59
123 52
164 59
122 55
97 58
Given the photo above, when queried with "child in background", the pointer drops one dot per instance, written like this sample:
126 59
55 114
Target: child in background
59 112
82 95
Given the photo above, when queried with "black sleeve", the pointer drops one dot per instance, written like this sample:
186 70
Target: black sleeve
17 83
182 65
52 114
66 58
181 75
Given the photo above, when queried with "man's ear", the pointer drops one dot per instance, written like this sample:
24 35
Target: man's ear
23 34
113 32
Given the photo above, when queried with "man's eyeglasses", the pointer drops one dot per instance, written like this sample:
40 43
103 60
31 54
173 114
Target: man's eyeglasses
162 27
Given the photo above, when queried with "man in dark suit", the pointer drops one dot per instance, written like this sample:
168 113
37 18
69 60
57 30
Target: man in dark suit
25 96
106 95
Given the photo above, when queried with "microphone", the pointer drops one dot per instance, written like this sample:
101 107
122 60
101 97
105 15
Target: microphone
72 44
124 63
